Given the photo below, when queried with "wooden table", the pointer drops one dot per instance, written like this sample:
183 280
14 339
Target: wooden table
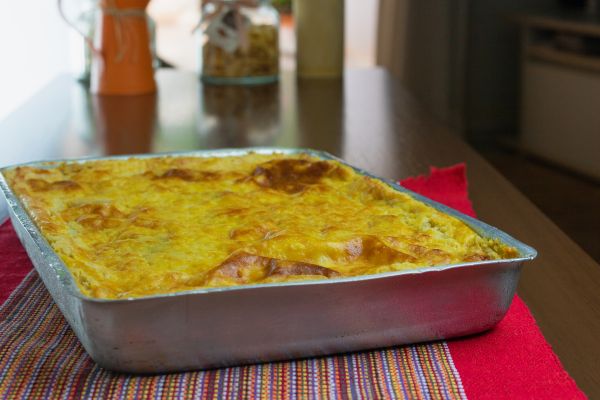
368 120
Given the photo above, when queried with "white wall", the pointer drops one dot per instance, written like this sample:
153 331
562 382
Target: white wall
34 48
360 32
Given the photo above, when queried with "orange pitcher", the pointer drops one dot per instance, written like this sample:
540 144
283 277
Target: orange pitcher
122 59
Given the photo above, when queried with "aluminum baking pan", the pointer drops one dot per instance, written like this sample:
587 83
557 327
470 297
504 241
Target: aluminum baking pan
209 328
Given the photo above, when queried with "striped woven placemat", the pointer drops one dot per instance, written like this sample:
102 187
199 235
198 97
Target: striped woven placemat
40 357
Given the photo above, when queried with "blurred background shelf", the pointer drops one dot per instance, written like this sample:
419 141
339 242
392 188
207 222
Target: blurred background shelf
560 90
552 55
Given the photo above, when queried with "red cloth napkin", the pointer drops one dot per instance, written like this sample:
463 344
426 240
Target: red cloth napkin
14 263
511 361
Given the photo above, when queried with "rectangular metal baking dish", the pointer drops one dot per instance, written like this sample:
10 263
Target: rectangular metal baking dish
219 327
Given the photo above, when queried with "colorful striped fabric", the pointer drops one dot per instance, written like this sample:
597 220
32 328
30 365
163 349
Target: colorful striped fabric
40 357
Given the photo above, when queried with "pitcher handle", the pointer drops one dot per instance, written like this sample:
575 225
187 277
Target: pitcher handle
85 37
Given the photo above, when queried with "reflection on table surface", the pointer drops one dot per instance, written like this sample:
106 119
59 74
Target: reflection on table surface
123 125
188 115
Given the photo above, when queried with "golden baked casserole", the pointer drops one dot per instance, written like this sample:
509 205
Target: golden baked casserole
144 226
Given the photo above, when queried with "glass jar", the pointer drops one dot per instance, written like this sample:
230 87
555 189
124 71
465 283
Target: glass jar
240 42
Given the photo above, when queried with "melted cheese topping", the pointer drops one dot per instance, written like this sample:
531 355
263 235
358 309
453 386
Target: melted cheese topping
138 227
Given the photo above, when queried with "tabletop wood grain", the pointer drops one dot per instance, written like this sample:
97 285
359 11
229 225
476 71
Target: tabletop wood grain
367 119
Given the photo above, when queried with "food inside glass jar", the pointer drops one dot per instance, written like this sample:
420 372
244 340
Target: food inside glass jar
259 58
